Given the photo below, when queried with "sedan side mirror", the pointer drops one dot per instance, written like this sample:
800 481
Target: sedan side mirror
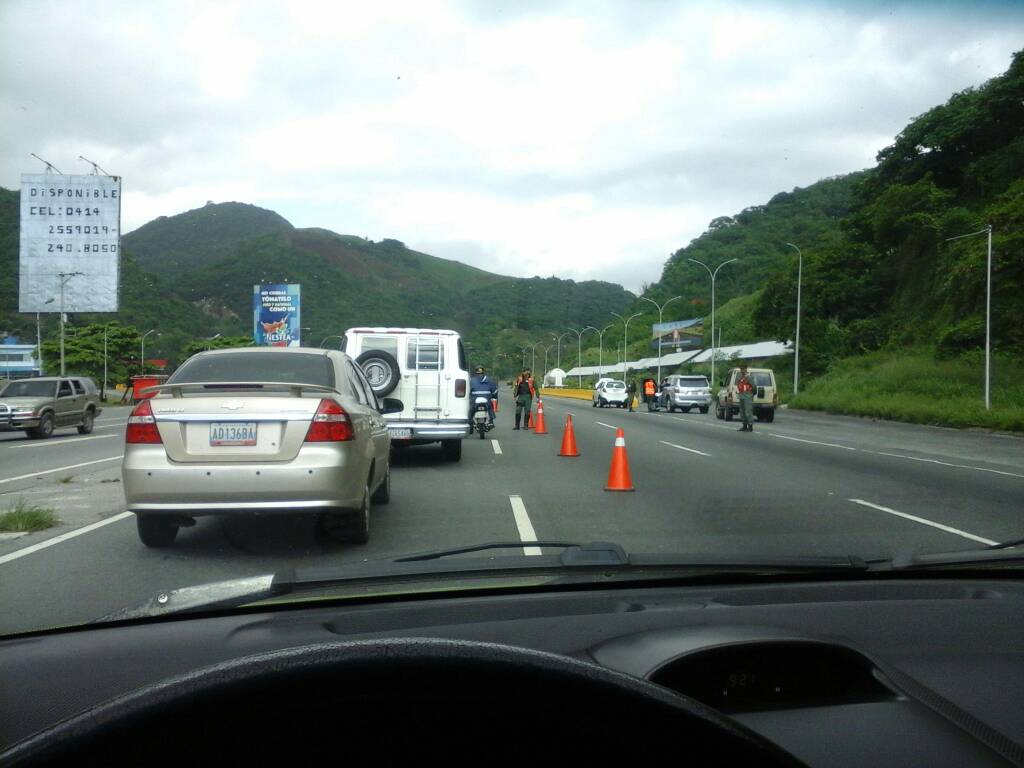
391 405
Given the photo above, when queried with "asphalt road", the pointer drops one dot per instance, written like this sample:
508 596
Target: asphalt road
806 484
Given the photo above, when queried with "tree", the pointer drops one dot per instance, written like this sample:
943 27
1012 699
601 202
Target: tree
221 342
83 351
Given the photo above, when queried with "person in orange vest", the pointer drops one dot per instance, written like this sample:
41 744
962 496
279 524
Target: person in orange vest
650 393
745 389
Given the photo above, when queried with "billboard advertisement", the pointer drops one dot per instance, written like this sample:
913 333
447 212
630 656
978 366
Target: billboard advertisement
275 315
679 335
71 235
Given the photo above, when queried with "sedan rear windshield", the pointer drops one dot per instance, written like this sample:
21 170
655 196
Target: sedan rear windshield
614 385
29 389
270 367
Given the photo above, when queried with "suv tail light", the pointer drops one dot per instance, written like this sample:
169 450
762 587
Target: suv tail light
460 387
142 425
330 424
775 398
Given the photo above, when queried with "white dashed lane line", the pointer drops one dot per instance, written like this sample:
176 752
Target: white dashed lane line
526 532
63 537
683 448
812 442
605 425
923 521
61 469
496 447
65 441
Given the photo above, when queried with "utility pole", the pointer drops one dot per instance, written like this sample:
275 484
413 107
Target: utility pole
796 353
988 312
64 278
625 331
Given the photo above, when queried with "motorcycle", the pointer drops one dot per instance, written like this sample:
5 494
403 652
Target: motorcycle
481 415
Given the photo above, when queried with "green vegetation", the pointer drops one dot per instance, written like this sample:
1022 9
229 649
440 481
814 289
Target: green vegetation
22 516
912 385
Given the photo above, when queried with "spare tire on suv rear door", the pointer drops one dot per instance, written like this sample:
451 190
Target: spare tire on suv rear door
381 371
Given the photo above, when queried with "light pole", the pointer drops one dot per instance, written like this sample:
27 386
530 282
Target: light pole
524 359
600 345
579 354
545 360
988 311
558 348
661 308
142 354
64 278
796 351
324 341
104 393
713 276
625 330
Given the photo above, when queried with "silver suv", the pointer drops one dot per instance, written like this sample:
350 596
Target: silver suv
39 406
685 393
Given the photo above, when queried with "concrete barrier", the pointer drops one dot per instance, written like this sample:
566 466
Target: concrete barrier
575 394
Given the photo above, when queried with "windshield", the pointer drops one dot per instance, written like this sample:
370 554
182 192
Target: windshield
608 207
29 389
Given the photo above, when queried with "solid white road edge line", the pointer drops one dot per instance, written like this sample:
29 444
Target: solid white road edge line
526 532
63 537
496 447
55 443
605 425
814 442
683 448
60 469
916 519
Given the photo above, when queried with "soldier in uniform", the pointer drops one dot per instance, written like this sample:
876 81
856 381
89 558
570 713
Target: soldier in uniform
745 390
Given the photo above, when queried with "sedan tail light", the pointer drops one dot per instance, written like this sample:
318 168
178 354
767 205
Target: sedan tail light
330 424
142 425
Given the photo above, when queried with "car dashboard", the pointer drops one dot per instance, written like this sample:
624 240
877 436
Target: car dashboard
881 671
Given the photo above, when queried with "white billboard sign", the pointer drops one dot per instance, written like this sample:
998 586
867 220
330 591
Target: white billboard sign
69 224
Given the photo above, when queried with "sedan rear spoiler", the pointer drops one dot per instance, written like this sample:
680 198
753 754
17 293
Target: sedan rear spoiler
295 389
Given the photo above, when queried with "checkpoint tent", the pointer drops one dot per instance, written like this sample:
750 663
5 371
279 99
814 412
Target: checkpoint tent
554 378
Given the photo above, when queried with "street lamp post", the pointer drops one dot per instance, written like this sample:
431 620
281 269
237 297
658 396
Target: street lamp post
988 312
661 308
796 350
558 349
64 278
713 276
579 354
142 354
625 331
600 345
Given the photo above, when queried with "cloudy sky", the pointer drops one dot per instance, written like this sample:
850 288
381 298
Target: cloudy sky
579 139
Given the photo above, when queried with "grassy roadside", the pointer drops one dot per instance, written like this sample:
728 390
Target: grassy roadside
911 385
22 516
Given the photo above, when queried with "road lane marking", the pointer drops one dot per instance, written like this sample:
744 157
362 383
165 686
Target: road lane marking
814 442
496 447
605 425
947 464
63 537
526 532
703 424
683 448
923 521
60 469
54 443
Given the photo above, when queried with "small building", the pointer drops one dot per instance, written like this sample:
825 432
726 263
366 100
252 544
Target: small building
554 378
17 360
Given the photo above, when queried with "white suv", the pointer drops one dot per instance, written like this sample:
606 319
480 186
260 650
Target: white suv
610 392
427 370
685 393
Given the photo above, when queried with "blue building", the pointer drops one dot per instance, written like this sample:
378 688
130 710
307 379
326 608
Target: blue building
17 360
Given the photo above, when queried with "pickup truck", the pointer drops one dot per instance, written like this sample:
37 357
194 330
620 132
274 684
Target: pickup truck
39 406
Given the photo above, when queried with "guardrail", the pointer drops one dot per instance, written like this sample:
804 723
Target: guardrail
575 394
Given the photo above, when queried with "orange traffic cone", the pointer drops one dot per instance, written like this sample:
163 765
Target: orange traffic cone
541 428
618 475
568 439
494 403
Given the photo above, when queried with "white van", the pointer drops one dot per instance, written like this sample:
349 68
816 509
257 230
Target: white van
427 370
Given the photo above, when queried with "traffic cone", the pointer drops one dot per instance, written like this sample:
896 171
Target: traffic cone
494 402
541 428
568 439
618 474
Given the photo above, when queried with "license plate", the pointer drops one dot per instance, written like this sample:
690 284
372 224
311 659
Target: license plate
233 433
397 433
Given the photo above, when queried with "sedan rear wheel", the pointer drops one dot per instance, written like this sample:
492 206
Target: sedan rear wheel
359 524
156 530
383 493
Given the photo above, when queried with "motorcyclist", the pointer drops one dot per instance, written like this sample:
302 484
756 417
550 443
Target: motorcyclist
482 385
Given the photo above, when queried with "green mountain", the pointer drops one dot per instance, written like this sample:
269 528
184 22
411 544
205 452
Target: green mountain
170 246
191 275
892 277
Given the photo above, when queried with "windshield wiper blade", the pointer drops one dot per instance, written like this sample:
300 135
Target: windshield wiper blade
595 553
1006 544
206 596
984 557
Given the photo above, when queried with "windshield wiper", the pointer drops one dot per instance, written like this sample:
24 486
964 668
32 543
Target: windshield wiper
996 555
1006 544
596 562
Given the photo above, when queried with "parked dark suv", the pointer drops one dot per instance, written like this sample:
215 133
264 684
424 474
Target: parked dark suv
39 406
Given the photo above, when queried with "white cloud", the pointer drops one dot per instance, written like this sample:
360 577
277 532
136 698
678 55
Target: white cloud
579 139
